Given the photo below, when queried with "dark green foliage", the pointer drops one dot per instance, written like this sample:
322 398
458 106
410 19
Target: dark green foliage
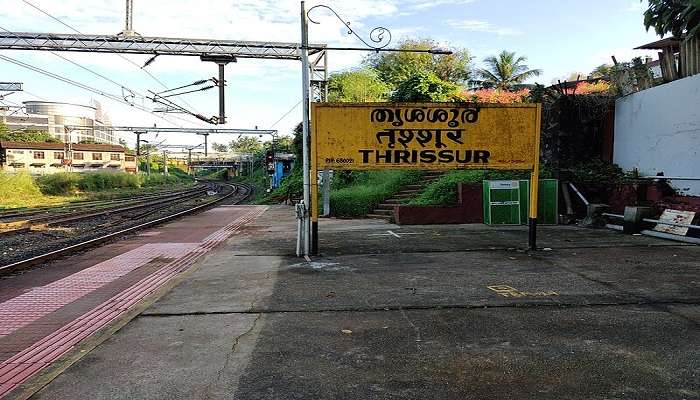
356 87
444 190
60 184
100 181
27 136
598 172
395 67
158 180
424 86
673 16
368 190
506 71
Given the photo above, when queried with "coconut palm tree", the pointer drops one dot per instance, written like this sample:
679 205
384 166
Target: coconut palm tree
506 71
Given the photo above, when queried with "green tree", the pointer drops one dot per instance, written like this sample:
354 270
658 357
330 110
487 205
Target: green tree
357 87
219 147
425 86
676 17
246 144
506 71
602 71
26 136
285 143
395 67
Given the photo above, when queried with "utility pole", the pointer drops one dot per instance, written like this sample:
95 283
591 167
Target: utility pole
138 149
221 61
206 135
305 83
165 163
129 20
189 161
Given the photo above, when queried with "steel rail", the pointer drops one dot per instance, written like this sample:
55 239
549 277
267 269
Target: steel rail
49 220
23 264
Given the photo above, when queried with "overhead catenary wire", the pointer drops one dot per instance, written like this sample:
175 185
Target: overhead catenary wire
119 55
285 114
83 86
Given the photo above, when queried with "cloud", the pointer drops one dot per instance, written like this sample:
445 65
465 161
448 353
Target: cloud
482 26
420 5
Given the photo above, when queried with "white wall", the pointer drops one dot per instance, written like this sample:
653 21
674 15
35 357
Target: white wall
658 129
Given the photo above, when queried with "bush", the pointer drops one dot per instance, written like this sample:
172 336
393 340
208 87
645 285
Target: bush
159 180
368 190
59 184
18 190
444 190
100 181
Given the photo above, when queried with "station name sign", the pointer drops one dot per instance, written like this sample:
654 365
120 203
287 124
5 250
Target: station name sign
348 136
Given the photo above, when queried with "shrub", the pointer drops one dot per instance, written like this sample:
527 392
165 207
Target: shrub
59 184
159 180
444 190
368 190
99 181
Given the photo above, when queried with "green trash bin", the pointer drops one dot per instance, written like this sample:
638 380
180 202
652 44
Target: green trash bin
502 202
547 199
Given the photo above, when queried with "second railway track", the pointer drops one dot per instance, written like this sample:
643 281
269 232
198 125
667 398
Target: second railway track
67 233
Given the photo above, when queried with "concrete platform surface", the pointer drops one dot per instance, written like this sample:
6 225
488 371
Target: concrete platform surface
412 312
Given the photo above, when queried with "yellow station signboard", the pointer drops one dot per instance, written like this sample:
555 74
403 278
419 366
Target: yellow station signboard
352 136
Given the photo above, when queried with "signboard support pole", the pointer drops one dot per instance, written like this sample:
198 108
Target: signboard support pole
314 195
305 83
534 186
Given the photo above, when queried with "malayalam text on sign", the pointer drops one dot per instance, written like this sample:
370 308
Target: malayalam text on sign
424 136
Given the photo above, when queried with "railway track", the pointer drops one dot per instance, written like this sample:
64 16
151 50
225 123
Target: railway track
169 207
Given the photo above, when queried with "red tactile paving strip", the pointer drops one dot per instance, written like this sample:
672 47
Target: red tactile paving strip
40 301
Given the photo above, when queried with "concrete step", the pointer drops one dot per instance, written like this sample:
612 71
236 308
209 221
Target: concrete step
408 191
392 202
378 216
403 196
382 212
386 207
413 187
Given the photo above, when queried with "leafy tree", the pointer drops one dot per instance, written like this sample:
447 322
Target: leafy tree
219 147
87 141
285 143
395 67
602 71
673 16
26 136
357 86
425 86
246 144
123 143
506 71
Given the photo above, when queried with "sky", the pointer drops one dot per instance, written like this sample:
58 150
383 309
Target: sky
556 36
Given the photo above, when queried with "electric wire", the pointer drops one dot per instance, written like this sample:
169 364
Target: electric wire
285 114
83 86
120 55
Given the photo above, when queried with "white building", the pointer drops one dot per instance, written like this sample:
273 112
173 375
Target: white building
54 117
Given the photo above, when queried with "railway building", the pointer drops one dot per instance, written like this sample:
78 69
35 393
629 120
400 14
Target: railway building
39 158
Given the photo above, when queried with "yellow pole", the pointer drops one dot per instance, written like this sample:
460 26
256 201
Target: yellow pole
534 184
314 187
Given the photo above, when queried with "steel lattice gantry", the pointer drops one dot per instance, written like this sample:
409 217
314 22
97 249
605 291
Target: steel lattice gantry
153 45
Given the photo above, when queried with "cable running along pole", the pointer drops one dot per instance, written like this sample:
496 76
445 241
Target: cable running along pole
305 87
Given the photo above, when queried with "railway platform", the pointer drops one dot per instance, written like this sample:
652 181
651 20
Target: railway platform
385 312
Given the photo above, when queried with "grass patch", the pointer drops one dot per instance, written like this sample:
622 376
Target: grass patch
367 190
23 190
